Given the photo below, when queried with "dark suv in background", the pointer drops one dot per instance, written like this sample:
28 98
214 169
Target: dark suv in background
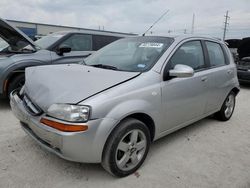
243 65
240 48
18 51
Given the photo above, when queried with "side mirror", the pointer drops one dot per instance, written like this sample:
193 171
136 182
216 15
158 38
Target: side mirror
63 49
181 71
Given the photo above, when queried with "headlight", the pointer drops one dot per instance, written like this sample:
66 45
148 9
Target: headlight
68 112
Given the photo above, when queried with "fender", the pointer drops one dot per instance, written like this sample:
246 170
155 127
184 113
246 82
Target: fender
17 67
120 112
105 129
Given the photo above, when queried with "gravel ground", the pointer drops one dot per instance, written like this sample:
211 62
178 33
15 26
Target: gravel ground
208 153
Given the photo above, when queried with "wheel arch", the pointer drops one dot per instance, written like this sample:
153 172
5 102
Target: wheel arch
236 90
10 78
147 120
143 117
16 69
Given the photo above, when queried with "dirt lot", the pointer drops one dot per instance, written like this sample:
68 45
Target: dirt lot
206 154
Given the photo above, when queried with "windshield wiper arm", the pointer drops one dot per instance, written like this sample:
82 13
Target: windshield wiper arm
105 66
27 50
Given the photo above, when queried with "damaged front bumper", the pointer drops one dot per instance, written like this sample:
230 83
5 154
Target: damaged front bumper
85 146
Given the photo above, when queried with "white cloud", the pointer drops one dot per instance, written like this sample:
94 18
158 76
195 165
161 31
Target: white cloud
134 15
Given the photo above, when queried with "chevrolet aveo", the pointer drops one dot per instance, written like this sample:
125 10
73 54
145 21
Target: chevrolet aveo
111 106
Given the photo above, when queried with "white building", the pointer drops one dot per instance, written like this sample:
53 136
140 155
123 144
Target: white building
38 29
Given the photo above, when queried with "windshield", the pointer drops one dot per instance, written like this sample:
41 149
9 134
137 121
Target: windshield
135 54
48 40
15 45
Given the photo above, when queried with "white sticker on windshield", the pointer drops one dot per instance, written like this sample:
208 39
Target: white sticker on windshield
151 45
141 65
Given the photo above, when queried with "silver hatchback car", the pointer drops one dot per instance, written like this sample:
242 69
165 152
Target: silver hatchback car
110 107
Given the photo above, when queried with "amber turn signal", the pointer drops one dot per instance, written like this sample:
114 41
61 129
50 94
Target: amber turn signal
63 127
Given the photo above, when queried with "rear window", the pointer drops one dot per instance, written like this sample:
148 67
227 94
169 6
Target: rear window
215 53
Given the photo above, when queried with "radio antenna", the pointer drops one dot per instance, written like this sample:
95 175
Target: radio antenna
155 22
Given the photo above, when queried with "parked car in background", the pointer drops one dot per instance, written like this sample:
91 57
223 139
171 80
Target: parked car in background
57 48
243 65
109 108
243 70
233 45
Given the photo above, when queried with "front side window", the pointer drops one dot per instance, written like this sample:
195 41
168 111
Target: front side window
46 41
79 42
135 54
215 53
191 54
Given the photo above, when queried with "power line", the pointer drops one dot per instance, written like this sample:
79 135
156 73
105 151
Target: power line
225 25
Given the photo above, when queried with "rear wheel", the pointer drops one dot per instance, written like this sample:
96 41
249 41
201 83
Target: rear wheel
16 83
126 148
227 108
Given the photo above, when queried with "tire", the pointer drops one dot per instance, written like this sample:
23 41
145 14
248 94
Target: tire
16 83
227 108
122 154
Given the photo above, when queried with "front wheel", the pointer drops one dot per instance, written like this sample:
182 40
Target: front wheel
227 108
126 148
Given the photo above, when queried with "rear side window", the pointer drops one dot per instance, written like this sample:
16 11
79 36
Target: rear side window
79 42
191 54
100 41
215 53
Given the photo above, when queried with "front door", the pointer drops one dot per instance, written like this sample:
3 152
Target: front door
184 99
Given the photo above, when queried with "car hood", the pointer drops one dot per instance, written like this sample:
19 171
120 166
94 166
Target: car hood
47 85
14 37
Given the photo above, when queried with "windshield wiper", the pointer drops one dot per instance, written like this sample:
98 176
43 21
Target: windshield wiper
27 50
105 66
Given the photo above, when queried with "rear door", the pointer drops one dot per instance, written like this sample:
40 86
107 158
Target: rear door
184 99
220 77
81 47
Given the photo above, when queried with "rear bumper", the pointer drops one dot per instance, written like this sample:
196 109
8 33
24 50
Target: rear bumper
85 146
243 76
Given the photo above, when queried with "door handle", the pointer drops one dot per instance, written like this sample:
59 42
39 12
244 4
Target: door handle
204 79
229 71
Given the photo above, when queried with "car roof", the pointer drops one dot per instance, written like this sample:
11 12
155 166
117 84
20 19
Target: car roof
182 37
96 32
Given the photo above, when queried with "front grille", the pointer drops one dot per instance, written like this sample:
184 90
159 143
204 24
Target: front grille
32 108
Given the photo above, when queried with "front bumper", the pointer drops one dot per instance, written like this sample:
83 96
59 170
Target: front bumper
86 146
243 75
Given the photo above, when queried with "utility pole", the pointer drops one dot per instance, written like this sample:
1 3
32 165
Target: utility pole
192 29
225 25
170 31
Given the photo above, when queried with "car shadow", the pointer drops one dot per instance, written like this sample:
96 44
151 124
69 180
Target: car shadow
86 172
4 104
185 135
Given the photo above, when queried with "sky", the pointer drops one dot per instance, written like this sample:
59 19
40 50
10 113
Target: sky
136 15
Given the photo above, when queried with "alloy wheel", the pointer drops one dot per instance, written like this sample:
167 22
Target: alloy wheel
131 150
